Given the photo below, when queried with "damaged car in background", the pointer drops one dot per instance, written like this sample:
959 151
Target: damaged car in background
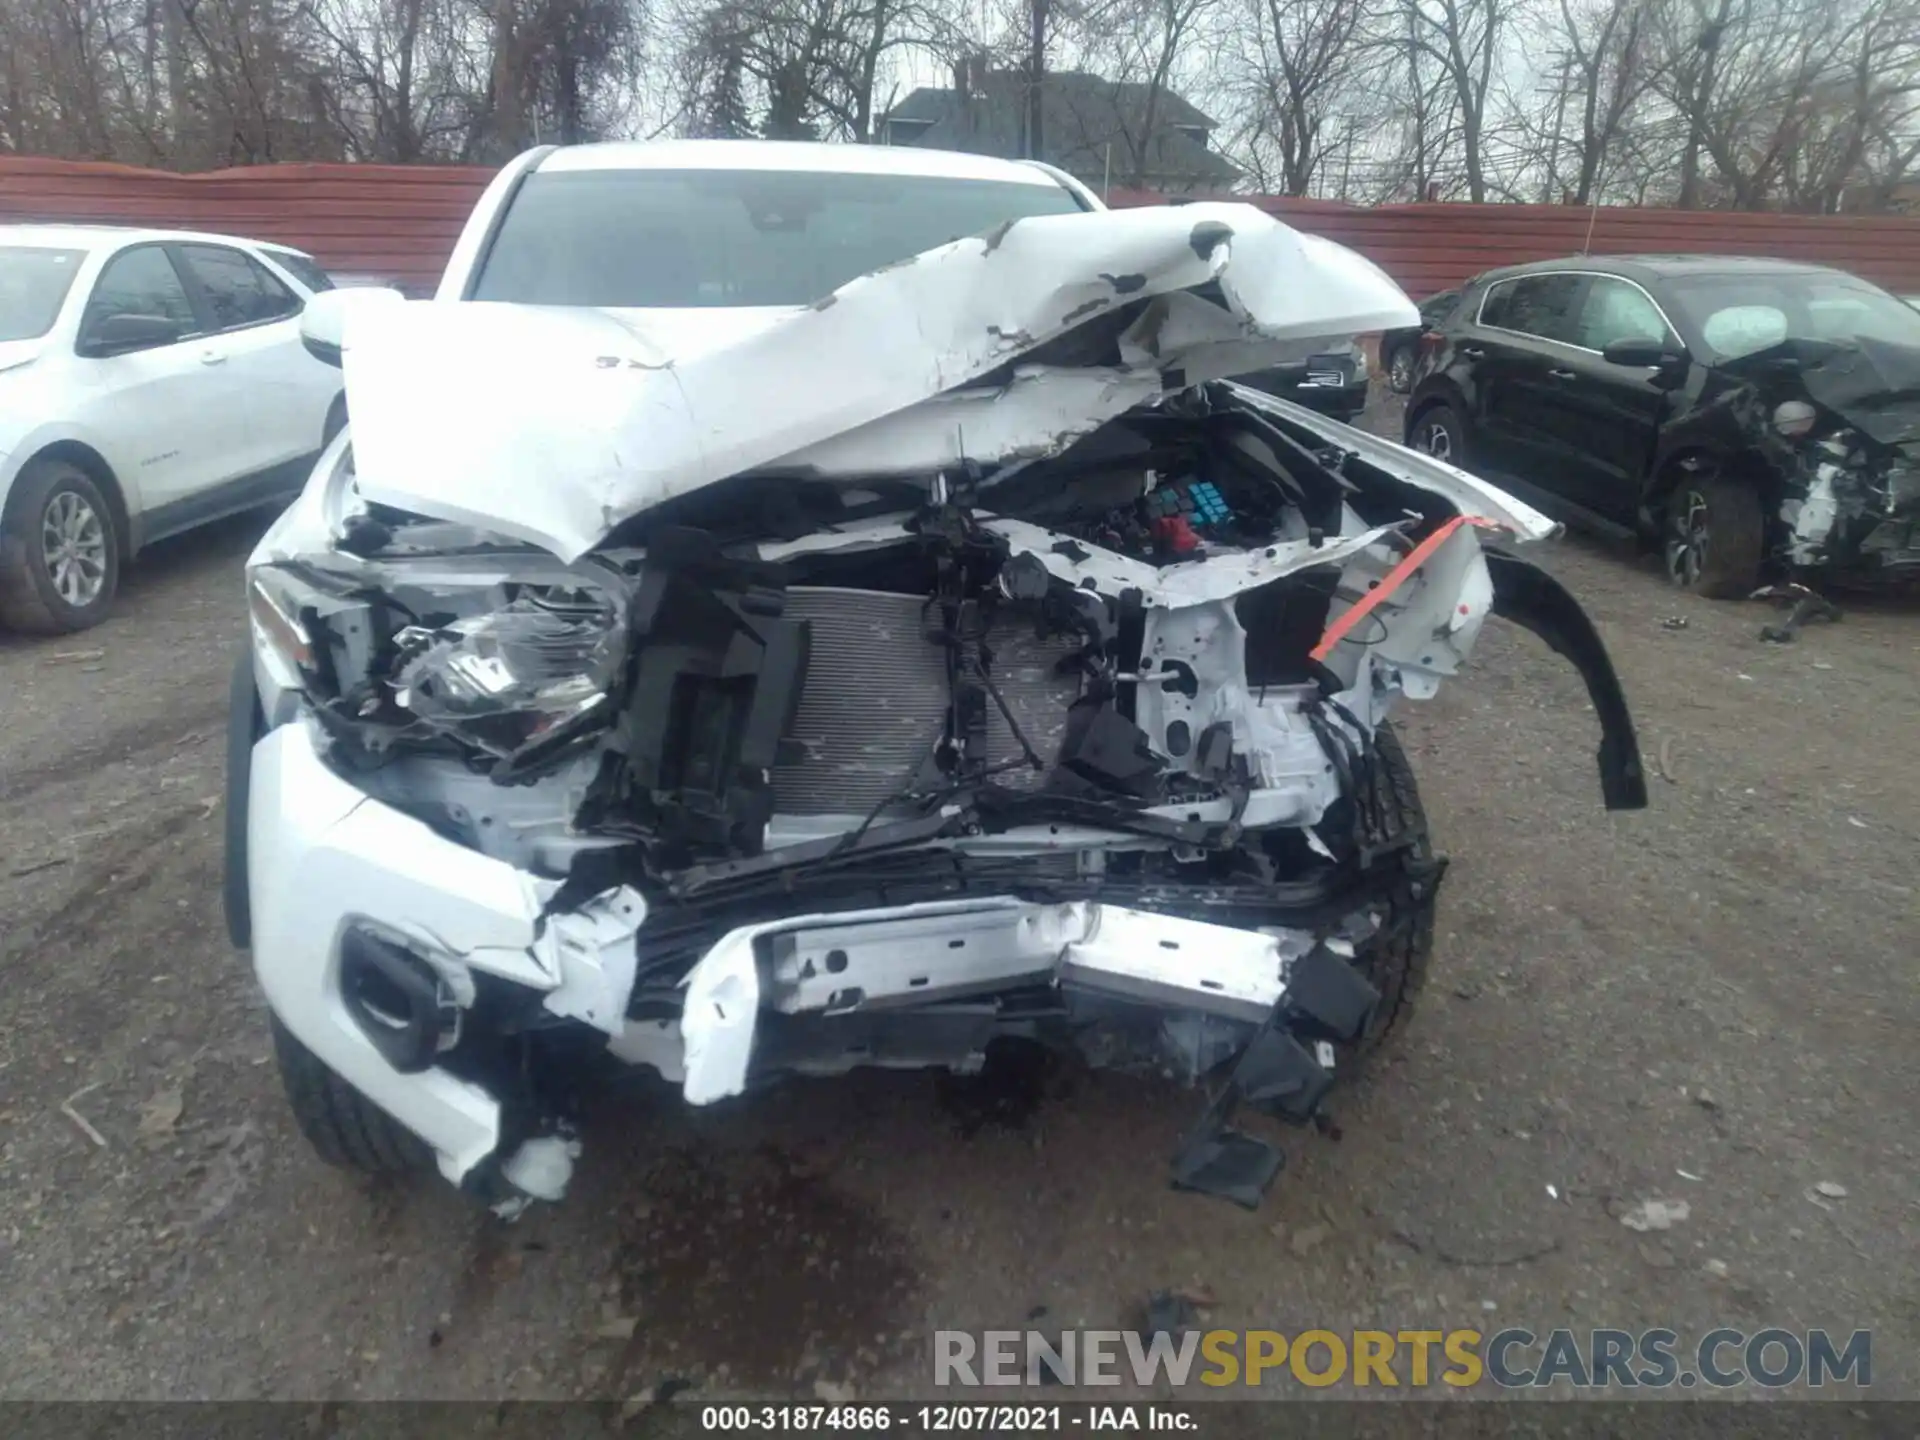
811 658
1760 420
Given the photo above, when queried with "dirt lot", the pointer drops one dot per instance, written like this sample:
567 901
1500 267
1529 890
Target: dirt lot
1713 1001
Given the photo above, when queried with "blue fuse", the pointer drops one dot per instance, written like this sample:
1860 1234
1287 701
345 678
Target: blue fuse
1209 506
1201 503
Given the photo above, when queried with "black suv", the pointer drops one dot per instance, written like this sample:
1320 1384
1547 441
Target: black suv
1759 419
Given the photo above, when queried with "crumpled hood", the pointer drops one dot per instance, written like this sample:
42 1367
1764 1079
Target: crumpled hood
555 425
1872 385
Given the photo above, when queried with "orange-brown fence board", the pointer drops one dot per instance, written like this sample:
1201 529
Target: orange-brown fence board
1434 247
395 221
401 221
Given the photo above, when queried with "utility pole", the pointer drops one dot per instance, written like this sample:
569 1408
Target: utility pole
1564 63
1036 73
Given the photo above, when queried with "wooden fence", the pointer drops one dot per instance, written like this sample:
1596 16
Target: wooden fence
400 222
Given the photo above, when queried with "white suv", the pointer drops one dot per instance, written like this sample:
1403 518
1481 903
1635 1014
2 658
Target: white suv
150 381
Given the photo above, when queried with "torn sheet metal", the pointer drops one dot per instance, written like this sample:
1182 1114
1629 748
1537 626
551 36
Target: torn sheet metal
878 955
1468 494
1196 583
1810 519
553 425
1035 415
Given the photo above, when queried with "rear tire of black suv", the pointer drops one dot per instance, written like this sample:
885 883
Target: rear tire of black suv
1714 538
59 552
1439 431
1399 367
1397 967
343 1126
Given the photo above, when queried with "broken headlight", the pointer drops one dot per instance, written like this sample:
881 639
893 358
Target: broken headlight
1794 418
539 665
1902 481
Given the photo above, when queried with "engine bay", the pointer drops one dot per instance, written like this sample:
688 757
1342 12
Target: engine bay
953 756
962 655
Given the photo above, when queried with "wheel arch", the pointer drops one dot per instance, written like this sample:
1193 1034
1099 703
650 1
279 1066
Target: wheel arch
91 463
1703 463
1436 390
1430 396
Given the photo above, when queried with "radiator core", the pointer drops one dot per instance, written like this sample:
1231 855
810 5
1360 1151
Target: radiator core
876 699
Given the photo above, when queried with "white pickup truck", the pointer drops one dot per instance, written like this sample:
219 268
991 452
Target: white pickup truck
787 608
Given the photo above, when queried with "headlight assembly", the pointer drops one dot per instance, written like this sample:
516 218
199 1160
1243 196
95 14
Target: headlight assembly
506 678
1794 418
495 657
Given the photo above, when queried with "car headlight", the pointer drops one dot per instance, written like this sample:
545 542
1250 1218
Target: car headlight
280 636
445 647
506 678
1793 418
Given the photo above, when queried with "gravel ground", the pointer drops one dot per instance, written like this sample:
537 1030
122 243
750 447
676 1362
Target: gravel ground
1721 986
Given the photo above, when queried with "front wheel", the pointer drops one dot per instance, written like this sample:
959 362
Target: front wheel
1397 964
1715 538
59 551
344 1127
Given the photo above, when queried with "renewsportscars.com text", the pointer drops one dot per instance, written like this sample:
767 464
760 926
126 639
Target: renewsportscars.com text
1513 1358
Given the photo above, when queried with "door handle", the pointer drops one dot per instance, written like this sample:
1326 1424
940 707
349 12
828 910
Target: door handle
1563 374
212 357
1472 352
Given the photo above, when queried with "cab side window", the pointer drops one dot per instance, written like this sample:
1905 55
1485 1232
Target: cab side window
1547 306
141 281
240 291
1616 310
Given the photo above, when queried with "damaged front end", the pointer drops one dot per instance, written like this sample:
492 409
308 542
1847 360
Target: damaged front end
1837 423
1078 740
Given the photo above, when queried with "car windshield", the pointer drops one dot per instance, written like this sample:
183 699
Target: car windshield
33 285
675 239
1739 314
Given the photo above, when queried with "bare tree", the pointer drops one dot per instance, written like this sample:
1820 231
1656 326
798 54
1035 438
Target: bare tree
1605 72
807 69
1462 40
1302 85
1137 47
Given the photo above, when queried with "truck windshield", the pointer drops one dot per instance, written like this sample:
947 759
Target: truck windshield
678 239
33 285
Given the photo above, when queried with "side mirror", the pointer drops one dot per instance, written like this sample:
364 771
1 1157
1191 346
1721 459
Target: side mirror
323 324
1640 352
120 334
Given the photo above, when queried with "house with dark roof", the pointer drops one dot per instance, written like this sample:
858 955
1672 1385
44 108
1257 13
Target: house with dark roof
1103 132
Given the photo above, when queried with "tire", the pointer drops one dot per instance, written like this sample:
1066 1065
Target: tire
59 551
1399 367
1439 426
1714 538
343 1126
1398 967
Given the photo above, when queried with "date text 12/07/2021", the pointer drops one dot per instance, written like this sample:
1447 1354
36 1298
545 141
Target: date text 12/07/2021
944 1419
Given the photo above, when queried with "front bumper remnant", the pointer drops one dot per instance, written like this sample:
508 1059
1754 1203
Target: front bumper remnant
337 876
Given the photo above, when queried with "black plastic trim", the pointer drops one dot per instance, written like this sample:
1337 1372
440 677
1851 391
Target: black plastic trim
409 1040
246 723
1534 600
